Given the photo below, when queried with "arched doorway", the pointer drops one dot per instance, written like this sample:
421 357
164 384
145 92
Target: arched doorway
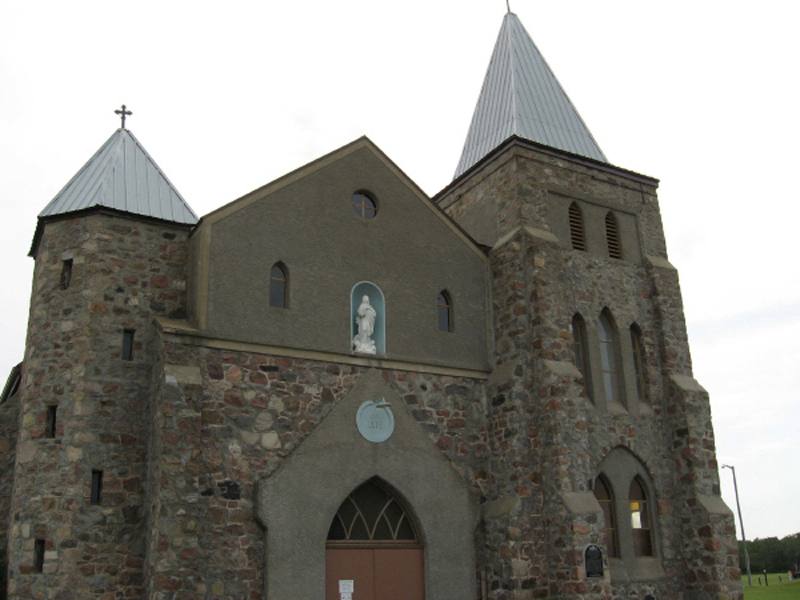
374 550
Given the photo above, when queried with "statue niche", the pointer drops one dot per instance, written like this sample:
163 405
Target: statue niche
367 319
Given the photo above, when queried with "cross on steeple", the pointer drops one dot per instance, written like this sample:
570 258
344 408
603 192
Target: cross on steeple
123 112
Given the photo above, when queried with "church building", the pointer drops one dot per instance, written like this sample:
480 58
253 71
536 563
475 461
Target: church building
484 395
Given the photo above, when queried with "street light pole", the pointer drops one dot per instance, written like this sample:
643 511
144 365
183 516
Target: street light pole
741 524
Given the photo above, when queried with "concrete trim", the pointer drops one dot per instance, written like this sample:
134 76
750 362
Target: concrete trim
539 234
180 375
181 332
715 505
500 507
687 383
296 504
582 503
504 372
203 266
659 262
506 238
563 368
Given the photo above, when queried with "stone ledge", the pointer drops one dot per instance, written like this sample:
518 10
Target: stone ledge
183 333
715 505
501 507
503 372
539 234
582 503
563 368
659 262
180 375
687 383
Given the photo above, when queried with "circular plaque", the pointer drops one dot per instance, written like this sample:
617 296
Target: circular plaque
375 420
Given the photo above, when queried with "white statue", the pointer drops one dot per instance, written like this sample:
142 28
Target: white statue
365 319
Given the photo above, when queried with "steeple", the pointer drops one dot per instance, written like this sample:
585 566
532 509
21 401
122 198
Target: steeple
122 176
521 96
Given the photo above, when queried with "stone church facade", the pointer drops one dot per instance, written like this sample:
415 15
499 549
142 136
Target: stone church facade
192 420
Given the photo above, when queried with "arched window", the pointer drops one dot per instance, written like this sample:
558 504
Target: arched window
576 228
627 486
603 494
608 358
580 349
445 311
640 520
638 361
278 286
612 236
371 513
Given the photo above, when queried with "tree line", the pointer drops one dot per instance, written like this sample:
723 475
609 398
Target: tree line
772 554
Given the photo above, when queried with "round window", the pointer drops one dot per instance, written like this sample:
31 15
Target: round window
363 205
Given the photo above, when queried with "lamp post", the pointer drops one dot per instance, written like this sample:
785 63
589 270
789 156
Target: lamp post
741 523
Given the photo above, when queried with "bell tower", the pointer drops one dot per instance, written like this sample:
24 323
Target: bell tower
602 443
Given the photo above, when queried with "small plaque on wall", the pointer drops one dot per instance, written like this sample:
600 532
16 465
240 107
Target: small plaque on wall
375 420
594 561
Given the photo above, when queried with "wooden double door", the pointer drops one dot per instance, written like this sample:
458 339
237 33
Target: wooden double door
375 573
374 550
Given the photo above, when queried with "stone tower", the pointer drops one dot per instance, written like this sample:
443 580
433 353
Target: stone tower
594 409
110 252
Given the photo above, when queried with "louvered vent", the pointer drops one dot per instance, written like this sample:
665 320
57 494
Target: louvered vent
612 237
576 228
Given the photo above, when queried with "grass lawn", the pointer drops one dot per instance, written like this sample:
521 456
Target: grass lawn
777 590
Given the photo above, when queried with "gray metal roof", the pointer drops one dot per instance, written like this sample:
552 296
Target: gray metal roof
522 97
122 176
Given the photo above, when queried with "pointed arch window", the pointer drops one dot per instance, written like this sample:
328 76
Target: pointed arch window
576 233
602 492
608 357
445 311
640 520
278 286
638 361
580 349
612 236
371 513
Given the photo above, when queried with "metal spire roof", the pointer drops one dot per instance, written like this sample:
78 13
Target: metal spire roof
122 176
522 97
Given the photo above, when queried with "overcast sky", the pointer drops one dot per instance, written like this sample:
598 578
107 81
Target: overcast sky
700 94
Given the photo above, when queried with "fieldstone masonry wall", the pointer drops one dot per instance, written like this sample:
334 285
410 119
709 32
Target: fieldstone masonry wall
539 283
123 272
225 419
9 425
